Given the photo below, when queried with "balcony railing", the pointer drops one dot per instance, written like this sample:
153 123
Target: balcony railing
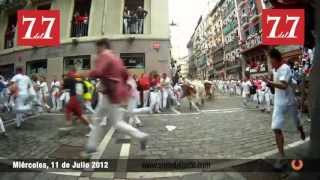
10 37
9 42
133 25
244 20
232 45
229 27
251 42
79 29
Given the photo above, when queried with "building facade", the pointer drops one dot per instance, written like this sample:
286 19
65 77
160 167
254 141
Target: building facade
233 41
231 33
141 50
216 38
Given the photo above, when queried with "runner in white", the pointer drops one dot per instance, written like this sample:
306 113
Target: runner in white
284 100
2 129
55 88
246 91
20 86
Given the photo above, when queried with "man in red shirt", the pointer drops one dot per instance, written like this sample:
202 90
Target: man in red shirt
113 77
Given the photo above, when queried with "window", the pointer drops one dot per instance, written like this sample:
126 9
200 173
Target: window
7 71
46 6
78 62
80 22
257 27
133 17
133 60
11 31
37 67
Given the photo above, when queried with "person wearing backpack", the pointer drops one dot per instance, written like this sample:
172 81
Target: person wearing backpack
73 106
87 95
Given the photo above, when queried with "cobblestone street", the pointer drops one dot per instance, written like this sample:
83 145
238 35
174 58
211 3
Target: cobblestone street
222 130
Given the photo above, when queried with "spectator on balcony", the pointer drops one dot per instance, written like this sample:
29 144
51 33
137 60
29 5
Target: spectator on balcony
126 19
10 36
133 24
141 14
81 24
85 24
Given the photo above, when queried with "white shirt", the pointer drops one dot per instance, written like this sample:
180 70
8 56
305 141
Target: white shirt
263 86
23 83
55 86
286 96
165 83
44 88
246 88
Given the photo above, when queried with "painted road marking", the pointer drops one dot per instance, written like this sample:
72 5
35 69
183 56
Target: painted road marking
175 110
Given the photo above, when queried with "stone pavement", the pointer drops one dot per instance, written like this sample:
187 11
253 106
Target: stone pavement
223 130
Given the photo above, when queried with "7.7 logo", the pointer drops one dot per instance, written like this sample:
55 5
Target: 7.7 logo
38 28
283 26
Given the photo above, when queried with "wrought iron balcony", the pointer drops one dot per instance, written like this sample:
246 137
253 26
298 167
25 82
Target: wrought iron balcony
251 42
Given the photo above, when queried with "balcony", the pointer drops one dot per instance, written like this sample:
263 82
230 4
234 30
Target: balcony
132 25
251 42
9 40
229 27
232 45
80 28
12 4
244 21
254 14
241 3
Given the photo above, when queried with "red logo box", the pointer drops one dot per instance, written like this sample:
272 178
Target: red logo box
283 26
38 28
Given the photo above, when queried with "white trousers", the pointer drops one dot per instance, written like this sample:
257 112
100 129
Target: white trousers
2 129
261 98
168 93
267 96
133 110
145 98
155 100
278 116
88 106
56 102
21 107
115 115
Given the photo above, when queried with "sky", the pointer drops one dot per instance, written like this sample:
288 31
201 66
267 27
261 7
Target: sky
185 14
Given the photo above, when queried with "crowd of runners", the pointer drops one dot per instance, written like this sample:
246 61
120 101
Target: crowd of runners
110 93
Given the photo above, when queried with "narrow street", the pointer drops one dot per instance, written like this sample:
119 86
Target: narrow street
222 130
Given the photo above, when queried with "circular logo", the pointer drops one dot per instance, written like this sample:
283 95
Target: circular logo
297 165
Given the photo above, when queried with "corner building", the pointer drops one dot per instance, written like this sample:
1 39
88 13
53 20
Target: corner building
141 51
